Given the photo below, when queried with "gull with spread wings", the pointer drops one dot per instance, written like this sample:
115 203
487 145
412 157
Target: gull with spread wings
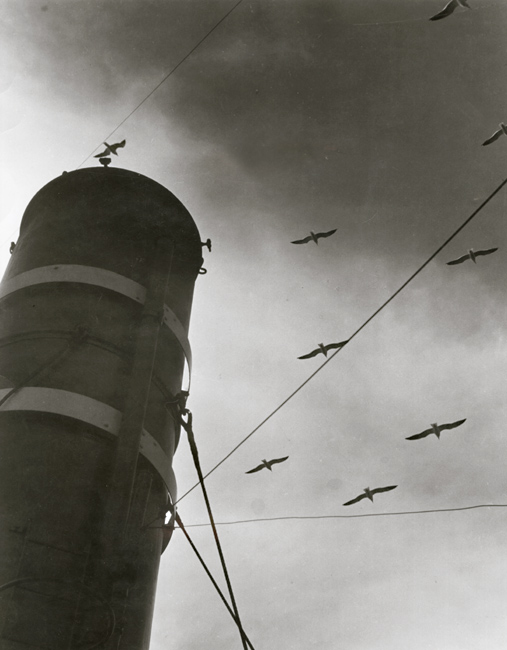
324 349
111 148
368 494
436 429
266 464
501 131
314 236
471 255
449 8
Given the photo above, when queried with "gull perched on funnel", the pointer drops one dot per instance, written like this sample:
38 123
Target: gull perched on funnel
324 349
436 429
368 494
501 131
266 464
111 148
449 8
471 255
314 236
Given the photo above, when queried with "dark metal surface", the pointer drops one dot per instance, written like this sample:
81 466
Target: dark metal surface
55 471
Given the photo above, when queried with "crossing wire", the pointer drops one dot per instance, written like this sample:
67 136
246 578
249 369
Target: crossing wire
360 516
195 454
164 79
210 576
358 330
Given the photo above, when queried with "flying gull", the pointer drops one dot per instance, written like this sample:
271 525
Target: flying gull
449 8
501 131
471 255
314 236
368 494
266 464
324 349
111 148
436 429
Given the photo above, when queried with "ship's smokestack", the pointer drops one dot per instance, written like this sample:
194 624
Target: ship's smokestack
94 313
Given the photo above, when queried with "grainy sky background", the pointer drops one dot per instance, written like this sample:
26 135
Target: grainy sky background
299 115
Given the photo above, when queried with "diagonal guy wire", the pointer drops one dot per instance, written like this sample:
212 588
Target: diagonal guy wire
368 320
195 454
199 556
164 79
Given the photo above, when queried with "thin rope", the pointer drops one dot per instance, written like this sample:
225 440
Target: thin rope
180 524
195 454
359 329
163 80
373 514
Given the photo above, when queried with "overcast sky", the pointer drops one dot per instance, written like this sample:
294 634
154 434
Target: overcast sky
299 115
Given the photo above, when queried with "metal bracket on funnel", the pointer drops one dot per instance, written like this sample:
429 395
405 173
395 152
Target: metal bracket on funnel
91 411
99 278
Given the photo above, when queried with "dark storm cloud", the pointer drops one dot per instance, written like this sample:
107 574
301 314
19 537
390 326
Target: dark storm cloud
349 120
314 110
279 84
91 47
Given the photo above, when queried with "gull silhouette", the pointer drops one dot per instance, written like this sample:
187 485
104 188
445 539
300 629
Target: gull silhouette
324 349
12 247
368 494
111 148
471 255
267 464
449 8
314 236
207 243
501 131
436 429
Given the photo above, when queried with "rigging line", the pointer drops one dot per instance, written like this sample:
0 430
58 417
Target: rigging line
359 329
199 556
371 514
164 79
195 454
